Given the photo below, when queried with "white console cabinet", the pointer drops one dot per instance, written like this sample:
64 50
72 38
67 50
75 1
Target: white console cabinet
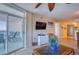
43 39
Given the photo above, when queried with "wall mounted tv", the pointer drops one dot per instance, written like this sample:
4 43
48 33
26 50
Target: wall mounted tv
40 25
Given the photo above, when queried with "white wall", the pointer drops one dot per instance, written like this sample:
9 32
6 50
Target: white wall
29 29
48 29
32 32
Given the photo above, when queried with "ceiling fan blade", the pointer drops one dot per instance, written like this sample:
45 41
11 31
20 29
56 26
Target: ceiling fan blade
51 6
68 3
38 5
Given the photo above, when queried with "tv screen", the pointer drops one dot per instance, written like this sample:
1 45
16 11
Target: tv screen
40 25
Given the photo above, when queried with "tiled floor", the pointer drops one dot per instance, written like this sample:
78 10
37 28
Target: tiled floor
67 42
70 43
26 51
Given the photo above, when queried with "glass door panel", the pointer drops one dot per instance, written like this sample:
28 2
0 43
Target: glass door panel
15 33
3 33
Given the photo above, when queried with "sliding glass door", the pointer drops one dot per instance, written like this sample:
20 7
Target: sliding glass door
11 33
3 33
15 33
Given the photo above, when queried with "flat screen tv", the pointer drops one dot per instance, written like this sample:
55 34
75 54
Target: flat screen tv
40 25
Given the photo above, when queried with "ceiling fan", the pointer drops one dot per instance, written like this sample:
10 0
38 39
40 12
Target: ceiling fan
50 6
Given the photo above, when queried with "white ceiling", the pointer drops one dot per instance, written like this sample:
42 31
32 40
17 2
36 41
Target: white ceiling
61 10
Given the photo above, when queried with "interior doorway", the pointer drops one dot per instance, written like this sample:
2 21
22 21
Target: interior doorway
57 30
70 31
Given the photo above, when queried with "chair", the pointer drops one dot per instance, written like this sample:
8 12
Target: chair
2 41
14 36
1 38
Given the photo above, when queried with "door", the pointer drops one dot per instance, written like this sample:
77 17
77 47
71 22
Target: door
15 33
3 33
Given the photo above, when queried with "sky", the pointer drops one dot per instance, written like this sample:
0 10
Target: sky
2 25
